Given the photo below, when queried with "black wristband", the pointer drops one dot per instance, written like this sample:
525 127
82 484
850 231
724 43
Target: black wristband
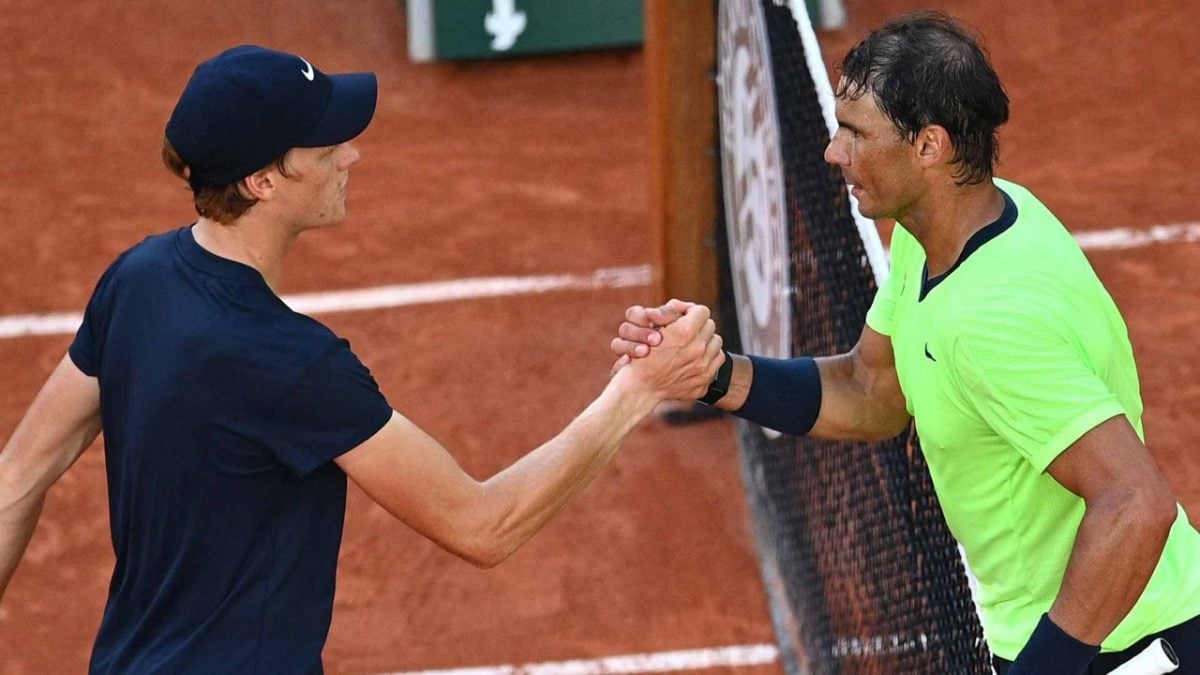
785 394
1051 650
720 384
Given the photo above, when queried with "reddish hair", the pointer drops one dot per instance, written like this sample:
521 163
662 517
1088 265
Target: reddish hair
222 203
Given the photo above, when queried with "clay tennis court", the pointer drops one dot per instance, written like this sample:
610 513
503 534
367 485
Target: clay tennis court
526 168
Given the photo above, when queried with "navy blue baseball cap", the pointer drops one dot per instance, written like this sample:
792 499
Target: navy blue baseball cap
247 106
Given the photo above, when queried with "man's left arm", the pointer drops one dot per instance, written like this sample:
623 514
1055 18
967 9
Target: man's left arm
1129 513
1130 509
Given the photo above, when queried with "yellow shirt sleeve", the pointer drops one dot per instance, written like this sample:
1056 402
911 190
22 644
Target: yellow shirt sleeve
1030 381
881 315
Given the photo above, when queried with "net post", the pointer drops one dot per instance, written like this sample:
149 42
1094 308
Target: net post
680 52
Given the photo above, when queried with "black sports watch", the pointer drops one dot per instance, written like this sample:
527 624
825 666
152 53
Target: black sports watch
720 383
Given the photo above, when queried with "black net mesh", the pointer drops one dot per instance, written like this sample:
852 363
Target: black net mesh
861 572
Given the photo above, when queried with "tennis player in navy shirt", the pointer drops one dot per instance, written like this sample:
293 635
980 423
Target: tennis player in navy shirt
231 422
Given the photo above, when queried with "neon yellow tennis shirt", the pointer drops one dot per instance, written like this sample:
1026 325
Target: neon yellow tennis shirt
1005 361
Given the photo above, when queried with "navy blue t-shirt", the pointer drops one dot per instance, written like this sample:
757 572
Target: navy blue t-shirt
222 410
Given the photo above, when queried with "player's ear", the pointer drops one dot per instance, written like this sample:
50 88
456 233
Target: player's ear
933 146
260 184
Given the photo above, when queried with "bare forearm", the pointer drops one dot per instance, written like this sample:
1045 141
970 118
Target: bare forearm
1116 550
63 420
18 518
852 407
417 480
520 500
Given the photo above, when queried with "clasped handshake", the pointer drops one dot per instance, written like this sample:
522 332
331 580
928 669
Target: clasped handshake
671 351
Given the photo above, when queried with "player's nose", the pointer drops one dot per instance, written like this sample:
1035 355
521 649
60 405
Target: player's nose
835 154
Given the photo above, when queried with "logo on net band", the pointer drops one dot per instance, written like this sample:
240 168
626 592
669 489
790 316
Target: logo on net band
752 172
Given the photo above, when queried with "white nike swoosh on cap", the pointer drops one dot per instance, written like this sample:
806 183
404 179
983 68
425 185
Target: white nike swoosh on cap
308 69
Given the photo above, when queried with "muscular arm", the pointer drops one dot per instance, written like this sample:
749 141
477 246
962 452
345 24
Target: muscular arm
860 393
1130 509
63 421
417 480
412 476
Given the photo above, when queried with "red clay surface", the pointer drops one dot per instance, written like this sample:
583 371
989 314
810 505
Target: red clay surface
528 167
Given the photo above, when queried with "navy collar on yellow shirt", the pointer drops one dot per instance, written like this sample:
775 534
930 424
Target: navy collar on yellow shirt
977 240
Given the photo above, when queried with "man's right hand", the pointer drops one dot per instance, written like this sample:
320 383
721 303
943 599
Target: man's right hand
686 354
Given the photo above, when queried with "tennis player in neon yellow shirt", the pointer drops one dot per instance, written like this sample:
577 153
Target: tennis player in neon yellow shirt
1006 361
994 334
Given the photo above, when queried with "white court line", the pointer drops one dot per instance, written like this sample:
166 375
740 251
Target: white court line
384 296
491 287
1125 237
659 662
466 289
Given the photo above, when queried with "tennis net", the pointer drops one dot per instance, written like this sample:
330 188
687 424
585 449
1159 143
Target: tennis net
861 572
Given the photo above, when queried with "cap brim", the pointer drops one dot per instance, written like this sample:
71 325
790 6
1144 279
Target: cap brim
350 109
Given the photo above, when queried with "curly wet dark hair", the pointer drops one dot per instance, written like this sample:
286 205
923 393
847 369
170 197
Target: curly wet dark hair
924 68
